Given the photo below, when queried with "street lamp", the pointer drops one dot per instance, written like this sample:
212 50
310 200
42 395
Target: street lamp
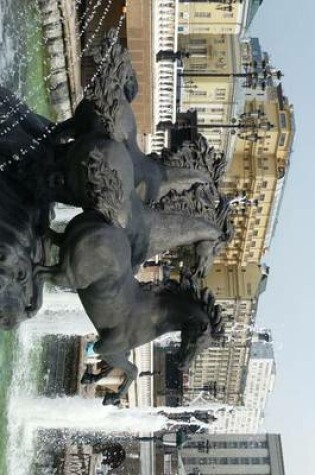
171 55
224 5
247 125
253 78
256 73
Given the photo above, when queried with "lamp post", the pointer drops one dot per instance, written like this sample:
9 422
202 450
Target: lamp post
171 55
225 5
253 78
248 125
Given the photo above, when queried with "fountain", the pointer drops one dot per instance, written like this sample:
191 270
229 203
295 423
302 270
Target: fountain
149 202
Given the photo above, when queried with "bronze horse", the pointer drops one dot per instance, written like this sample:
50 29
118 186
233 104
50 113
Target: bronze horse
134 206
95 259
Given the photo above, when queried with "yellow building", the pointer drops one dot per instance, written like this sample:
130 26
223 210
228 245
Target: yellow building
257 176
215 98
234 282
229 17
223 368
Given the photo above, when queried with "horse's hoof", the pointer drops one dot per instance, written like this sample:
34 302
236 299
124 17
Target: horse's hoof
87 378
111 399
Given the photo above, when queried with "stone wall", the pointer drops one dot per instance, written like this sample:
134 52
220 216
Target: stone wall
58 82
60 365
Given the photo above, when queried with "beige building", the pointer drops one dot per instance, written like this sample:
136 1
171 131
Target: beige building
205 84
259 384
233 454
256 178
231 17
220 371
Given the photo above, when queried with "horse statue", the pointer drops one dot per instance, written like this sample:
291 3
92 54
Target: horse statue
96 260
25 209
134 206
102 167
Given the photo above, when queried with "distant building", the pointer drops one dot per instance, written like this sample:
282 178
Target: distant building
216 17
233 454
206 86
168 387
259 384
256 177
219 373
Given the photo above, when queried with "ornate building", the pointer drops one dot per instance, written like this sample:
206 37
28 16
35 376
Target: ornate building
228 17
259 384
235 454
206 86
257 175
219 372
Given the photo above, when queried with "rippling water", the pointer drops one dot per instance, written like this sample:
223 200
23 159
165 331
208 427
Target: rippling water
11 41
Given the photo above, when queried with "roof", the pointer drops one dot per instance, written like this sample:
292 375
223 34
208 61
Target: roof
252 10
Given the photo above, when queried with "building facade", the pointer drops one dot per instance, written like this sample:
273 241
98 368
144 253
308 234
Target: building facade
259 384
206 86
232 454
229 17
219 373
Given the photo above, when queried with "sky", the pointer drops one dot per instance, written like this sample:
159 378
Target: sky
286 31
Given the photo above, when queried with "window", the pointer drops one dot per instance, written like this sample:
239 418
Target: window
199 93
197 41
198 51
202 28
199 66
282 139
202 14
220 91
283 120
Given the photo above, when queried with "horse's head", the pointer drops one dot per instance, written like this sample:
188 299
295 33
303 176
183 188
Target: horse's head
16 286
113 89
202 327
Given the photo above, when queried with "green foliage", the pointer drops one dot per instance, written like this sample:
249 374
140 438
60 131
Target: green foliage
35 90
7 343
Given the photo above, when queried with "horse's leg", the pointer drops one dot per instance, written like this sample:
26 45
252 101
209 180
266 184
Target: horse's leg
90 378
55 237
170 230
53 274
120 360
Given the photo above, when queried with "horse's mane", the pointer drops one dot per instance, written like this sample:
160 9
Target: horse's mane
104 187
202 199
186 287
114 82
197 155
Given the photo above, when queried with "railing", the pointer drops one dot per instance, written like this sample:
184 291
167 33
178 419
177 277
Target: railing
164 37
